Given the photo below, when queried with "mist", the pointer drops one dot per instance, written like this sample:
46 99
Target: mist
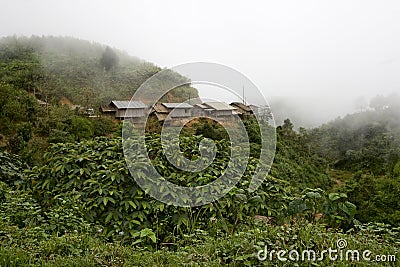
313 60
310 111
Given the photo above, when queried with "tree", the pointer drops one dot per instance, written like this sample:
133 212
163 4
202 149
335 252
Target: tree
378 102
109 59
16 106
81 128
20 66
287 126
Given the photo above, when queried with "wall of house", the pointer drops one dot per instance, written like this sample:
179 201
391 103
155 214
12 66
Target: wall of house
181 112
132 112
223 113
108 114
198 112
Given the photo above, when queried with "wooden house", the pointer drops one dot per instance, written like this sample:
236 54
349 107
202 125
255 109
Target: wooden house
124 109
242 109
159 111
200 110
178 110
107 110
219 109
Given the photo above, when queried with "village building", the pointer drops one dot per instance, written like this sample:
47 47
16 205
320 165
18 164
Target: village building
135 110
200 110
108 110
219 110
178 110
159 111
175 112
241 109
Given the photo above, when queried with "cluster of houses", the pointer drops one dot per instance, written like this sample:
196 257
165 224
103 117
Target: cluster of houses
170 112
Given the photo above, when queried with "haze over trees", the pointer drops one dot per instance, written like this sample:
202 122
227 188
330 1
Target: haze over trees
68 197
109 59
85 73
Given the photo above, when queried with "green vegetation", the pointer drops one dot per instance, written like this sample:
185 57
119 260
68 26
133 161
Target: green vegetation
88 74
61 72
83 207
86 188
367 146
68 198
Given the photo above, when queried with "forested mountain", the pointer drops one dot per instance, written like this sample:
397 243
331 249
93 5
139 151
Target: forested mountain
86 73
68 198
364 151
369 140
64 70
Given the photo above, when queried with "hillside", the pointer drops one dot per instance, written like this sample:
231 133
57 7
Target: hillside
82 207
363 152
71 72
69 199
369 140
87 73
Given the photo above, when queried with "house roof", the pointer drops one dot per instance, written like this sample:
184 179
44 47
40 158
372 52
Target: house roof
239 111
177 105
160 108
219 105
128 104
107 108
201 106
241 106
161 116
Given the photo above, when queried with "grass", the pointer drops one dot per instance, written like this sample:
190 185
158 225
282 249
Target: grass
339 177
199 249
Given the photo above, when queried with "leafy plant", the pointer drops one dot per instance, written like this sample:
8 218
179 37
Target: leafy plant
331 208
11 168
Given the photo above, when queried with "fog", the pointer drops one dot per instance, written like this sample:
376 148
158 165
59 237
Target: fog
313 60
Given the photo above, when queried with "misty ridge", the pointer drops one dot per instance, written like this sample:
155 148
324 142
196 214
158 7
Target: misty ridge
68 72
82 73
77 70
313 111
281 135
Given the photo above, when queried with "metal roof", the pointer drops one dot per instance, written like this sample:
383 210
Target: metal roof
219 105
128 104
107 108
160 108
241 106
177 105
201 106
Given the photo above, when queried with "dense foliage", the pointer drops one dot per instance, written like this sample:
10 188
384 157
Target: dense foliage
93 175
366 145
82 205
68 198
88 74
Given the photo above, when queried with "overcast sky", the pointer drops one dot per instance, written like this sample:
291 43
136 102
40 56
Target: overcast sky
340 48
